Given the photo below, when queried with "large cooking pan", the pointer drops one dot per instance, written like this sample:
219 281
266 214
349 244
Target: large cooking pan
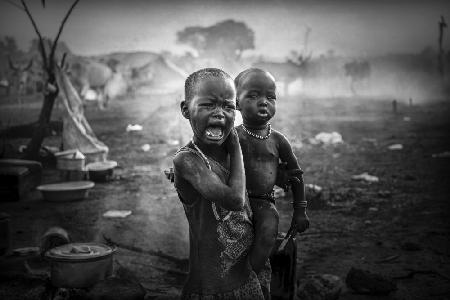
80 265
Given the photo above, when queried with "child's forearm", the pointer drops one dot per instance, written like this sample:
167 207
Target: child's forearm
298 191
237 178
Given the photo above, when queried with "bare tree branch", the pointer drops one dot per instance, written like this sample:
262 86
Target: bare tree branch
41 40
55 42
15 4
63 61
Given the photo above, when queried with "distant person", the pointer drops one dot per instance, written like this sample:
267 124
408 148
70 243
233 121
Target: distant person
263 149
210 181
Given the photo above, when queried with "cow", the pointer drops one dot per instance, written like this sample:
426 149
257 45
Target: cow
285 72
87 75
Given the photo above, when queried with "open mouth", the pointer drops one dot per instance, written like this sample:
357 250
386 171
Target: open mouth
263 113
214 133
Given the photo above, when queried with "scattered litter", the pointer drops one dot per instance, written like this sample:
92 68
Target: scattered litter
278 192
134 127
173 142
374 209
445 154
327 138
366 177
90 95
26 251
395 147
117 213
313 187
145 147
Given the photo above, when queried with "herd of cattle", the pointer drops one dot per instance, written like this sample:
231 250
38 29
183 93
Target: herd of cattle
96 78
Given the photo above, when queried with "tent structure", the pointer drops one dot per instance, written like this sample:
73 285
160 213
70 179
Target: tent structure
77 133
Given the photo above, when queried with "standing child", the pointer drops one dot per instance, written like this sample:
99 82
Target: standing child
263 148
210 181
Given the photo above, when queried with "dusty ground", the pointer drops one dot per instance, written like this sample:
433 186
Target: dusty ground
364 225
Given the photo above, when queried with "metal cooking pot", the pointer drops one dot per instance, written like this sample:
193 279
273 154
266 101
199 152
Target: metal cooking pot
80 265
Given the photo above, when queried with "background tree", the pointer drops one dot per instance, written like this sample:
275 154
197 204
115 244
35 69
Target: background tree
47 50
357 71
226 40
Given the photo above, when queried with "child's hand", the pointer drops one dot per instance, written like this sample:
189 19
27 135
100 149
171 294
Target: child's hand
300 222
232 141
285 177
170 175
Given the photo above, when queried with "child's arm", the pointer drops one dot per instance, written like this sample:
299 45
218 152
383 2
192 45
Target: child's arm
230 196
300 220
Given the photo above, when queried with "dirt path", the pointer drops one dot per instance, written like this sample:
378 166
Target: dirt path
363 225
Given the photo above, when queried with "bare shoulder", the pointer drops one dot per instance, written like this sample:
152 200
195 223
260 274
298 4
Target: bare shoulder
280 138
185 162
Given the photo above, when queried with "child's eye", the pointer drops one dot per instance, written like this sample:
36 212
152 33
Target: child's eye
206 104
272 97
253 96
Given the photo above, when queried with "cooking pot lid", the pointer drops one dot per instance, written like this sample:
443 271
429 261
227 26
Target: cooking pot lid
79 251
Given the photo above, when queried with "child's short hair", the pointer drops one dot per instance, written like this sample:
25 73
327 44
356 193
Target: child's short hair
241 76
193 79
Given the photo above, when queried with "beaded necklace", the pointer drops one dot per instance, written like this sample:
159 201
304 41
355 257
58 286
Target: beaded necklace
257 136
203 156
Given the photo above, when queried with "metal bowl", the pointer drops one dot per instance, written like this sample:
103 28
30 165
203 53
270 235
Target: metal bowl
101 171
66 191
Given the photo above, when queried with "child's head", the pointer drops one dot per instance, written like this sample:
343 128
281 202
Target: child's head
209 105
256 96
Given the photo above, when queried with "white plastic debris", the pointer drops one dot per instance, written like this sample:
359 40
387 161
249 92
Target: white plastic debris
278 192
395 147
365 177
145 147
173 142
90 95
445 154
117 213
313 187
327 138
373 209
134 127
406 119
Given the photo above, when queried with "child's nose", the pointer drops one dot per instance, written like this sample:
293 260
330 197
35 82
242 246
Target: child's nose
263 101
218 113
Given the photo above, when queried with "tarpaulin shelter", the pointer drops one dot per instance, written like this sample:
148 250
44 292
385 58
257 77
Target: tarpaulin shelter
77 133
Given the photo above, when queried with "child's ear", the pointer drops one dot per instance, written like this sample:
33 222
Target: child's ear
184 109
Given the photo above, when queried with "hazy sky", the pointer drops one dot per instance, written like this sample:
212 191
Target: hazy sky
356 27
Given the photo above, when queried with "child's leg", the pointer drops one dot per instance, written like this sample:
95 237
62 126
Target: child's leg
265 223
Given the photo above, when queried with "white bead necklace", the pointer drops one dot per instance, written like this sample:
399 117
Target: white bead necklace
216 214
259 137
